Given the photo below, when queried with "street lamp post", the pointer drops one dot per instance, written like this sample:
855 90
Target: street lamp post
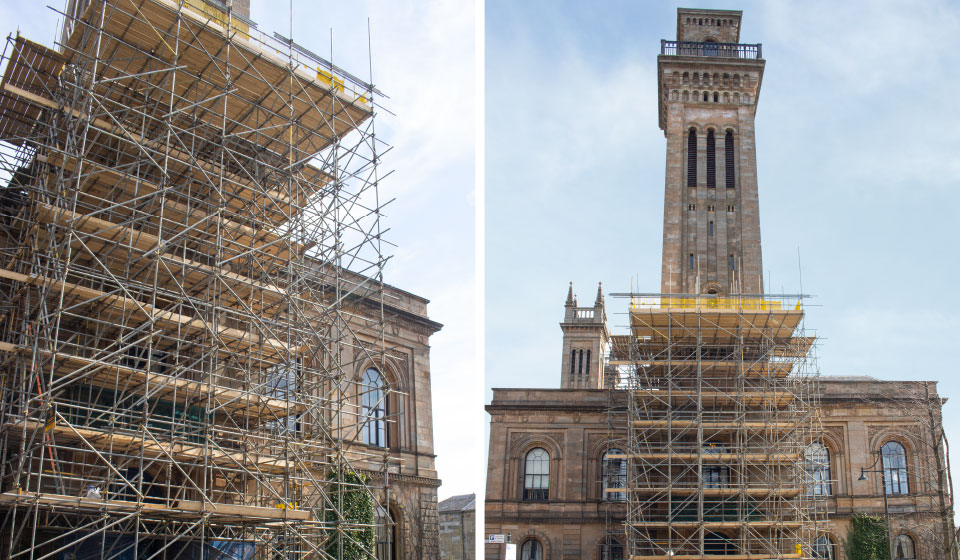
886 509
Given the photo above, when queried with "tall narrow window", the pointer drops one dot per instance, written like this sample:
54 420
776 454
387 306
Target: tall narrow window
728 155
731 262
580 363
894 460
374 403
817 459
711 229
692 158
588 363
573 361
711 161
690 264
536 475
614 475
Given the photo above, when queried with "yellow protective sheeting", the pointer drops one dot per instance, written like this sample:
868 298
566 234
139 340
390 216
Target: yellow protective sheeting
741 303
218 15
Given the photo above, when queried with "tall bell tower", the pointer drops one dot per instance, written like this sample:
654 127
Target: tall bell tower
709 84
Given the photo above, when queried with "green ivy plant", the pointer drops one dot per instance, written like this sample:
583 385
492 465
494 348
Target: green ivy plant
357 534
867 539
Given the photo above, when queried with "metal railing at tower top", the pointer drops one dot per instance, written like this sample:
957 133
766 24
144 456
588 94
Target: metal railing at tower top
719 50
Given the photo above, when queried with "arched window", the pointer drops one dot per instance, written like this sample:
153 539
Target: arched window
711 161
692 158
531 550
817 465
614 475
894 460
728 155
611 550
588 363
903 548
536 475
573 361
823 547
580 363
374 403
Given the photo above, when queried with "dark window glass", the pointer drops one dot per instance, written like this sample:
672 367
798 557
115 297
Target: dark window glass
711 229
611 551
711 161
588 363
536 475
531 550
728 155
614 475
894 460
692 158
716 543
374 403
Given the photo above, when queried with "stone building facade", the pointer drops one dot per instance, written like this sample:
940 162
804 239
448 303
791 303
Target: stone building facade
458 527
576 426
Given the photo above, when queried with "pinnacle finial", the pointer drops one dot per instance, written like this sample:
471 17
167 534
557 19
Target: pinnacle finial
570 300
599 294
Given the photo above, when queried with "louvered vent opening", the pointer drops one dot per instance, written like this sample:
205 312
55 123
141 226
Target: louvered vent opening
692 158
711 161
728 152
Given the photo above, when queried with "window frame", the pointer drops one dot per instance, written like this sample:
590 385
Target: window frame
816 468
530 492
374 409
896 481
531 542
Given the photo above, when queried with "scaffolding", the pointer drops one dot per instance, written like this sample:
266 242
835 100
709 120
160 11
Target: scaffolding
722 412
191 276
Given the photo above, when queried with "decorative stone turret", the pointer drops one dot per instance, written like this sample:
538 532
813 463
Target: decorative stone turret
584 343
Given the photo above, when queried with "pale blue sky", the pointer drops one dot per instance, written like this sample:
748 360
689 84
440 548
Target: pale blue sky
423 53
858 130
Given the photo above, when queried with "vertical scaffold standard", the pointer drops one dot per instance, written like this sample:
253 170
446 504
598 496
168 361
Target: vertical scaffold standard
722 414
191 276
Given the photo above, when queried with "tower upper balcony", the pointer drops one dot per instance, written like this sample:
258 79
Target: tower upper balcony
711 49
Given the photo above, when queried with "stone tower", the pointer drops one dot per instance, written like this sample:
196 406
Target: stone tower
708 86
584 343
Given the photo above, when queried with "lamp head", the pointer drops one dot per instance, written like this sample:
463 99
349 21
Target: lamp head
863 475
